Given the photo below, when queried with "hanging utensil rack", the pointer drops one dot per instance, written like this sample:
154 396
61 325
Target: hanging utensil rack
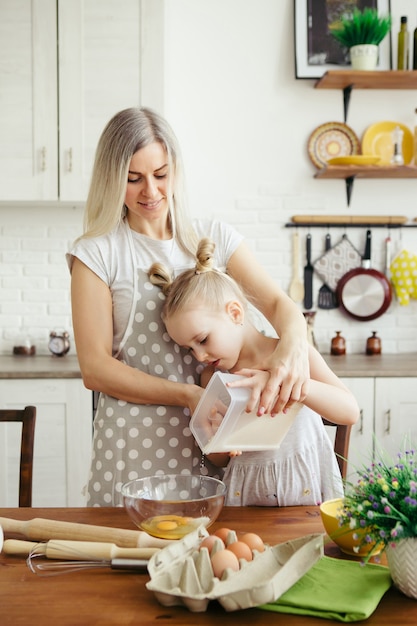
351 221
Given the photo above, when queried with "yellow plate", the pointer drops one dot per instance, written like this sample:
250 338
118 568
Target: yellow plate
355 159
378 140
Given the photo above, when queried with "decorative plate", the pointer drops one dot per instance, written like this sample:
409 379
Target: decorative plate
378 140
331 140
355 159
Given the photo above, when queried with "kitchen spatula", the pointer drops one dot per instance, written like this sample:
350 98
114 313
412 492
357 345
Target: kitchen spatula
308 276
296 290
327 298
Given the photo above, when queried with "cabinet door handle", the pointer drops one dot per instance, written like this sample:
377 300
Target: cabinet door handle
388 426
43 159
361 422
69 168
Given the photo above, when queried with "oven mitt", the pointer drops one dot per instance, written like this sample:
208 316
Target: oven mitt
337 261
404 276
346 591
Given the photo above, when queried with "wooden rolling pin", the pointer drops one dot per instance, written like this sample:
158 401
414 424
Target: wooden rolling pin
45 529
76 550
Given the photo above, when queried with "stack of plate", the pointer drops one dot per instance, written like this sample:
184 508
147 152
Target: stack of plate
336 143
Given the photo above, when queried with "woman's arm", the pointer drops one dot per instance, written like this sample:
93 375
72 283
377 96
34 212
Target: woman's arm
288 365
93 332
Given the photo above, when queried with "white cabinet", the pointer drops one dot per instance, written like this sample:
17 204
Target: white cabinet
361 437
66 67
395 413
63 437
388 419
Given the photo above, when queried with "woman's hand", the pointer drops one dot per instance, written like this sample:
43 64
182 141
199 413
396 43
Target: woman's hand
282 381
289 380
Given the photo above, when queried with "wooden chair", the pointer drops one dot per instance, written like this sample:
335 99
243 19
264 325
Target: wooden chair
28 418
341 444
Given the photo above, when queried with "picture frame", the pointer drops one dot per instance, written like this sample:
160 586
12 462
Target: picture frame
316 51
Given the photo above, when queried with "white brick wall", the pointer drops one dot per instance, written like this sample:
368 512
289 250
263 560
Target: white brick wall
35 283
34 279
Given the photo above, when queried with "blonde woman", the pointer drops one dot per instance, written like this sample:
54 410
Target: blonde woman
136 215
206 313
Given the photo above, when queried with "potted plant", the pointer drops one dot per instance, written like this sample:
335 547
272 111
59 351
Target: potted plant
362 32
384 501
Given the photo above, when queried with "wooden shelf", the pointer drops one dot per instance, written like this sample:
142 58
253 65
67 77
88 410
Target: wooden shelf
384 79
367 171
347 80
349 173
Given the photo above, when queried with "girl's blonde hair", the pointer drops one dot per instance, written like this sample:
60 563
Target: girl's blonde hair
202 284
127 132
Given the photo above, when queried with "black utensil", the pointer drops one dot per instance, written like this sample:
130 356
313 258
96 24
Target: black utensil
327 298
308 276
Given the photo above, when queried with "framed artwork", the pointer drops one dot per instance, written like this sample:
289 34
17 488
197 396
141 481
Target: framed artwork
316 50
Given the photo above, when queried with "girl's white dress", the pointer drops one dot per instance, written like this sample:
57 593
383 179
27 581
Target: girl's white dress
302 471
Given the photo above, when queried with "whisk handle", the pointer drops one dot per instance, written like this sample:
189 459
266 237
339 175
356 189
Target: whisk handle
77 550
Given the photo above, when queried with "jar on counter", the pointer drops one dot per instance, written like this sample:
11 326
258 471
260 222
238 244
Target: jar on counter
373 344
338 345
24 346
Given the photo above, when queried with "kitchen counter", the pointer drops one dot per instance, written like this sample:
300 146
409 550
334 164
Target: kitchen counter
348 366
377 365
14 366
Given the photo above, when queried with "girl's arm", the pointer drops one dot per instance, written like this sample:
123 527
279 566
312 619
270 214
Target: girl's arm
93 332
327 395
288 365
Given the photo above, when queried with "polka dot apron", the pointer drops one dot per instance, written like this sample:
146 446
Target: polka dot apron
132 440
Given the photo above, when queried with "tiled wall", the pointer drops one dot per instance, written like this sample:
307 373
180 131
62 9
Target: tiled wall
34 279
35 283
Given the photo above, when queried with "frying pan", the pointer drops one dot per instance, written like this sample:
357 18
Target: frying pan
364 293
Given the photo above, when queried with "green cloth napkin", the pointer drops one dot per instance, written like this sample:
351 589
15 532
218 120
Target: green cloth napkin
335 589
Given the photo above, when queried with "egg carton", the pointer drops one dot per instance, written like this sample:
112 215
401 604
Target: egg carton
181 573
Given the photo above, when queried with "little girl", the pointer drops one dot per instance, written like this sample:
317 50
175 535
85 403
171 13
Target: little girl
206 312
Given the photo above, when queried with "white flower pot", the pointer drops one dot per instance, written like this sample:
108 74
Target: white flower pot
364 57
402 559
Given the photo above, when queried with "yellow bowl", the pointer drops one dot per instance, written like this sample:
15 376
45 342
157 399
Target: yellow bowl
343 536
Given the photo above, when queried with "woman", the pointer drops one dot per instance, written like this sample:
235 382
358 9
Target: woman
206 312
135 216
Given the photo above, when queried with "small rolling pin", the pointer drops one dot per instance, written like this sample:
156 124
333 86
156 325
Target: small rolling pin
76 550
45 529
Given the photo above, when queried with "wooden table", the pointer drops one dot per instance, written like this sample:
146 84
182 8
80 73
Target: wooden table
104 596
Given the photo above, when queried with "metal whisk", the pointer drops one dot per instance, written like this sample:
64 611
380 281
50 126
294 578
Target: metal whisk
44 559
40 565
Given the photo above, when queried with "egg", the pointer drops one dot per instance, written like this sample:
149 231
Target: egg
211 541
223 533
253 541
241 549
223 560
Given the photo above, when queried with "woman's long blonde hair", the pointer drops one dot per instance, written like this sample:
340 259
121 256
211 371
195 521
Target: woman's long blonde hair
203 283
126 133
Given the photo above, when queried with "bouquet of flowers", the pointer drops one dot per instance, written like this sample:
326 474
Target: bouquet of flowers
384 501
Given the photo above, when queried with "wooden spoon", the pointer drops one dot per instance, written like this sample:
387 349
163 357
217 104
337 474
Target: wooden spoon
296 290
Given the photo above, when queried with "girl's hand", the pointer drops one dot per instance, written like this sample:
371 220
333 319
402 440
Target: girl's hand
257 381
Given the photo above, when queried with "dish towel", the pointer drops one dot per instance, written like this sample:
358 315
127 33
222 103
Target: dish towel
404 276
336 589
337 261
